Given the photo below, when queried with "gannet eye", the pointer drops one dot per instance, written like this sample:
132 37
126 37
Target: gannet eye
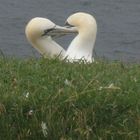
68 25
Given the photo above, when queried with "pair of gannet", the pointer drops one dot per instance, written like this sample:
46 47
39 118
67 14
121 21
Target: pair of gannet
41 31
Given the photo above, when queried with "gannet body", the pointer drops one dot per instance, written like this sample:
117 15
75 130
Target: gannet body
39 32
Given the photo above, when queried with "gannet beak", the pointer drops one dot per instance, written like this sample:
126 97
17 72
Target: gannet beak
58 31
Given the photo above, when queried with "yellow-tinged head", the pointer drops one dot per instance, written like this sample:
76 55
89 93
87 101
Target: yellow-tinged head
36 27
83 21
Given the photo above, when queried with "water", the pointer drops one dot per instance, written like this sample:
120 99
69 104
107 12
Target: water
118 21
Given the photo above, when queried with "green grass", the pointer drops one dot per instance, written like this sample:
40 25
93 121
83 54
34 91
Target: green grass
99 101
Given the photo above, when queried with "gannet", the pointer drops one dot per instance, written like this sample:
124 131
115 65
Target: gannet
82 45
39 32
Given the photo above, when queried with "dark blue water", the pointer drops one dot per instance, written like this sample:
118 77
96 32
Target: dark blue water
118 25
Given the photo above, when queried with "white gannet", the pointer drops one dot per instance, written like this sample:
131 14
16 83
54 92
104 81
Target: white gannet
82 45
39 32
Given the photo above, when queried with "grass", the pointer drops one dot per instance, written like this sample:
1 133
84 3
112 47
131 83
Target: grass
53 100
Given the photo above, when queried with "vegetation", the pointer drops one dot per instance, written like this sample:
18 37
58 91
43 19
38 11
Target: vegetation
54 100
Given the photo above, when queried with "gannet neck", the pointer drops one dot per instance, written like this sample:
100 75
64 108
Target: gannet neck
48 48
81 48
83 44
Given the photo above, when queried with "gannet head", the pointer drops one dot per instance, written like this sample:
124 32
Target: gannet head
39 27
36 28
84 22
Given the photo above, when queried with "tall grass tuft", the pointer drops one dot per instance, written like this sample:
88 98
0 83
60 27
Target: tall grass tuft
54 100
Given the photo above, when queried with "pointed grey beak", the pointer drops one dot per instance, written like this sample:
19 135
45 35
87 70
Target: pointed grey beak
58 31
